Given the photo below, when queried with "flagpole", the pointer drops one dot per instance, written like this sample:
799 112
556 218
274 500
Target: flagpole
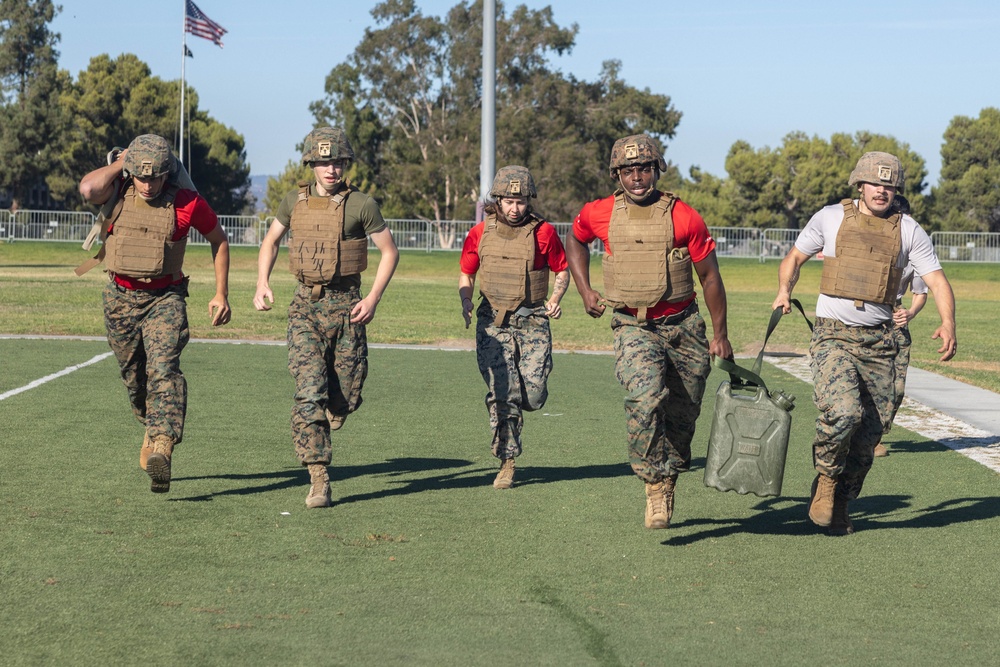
183 65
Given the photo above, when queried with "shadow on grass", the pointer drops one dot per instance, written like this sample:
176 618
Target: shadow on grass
483 477
913 447
943 444
461 475
873 512
282 480
296 477
787 516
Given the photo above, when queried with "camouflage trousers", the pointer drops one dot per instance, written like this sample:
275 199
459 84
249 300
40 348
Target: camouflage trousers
515 361
328 358
663 365
854 388
903 342
147 330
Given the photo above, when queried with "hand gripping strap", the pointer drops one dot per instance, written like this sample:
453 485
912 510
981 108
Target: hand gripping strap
741 377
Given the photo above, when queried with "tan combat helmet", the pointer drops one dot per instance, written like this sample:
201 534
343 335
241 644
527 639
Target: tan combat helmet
513 181
149 157
326 143
635 149
878 168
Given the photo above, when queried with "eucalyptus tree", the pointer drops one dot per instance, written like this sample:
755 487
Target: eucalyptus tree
410 97
967 197
29 81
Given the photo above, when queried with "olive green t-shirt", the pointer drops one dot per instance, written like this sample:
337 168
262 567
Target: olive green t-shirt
362 217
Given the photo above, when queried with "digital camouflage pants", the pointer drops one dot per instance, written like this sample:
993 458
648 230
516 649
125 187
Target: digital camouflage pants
663 365
902 363
147 330
328 358
854 388
515 361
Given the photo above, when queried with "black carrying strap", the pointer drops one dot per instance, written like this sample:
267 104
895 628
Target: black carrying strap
740 377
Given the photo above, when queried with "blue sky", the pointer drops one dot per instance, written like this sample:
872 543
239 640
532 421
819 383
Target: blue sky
736 70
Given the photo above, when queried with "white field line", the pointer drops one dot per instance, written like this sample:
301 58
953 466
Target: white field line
48 378
967 440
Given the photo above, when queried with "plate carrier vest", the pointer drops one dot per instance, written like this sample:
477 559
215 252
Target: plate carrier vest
318 253
643 267
864 268
507 255
141 244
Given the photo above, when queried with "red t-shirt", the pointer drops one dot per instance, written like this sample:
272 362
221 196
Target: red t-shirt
190 210
690 232
548 249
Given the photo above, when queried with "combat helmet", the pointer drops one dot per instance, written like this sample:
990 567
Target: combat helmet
635 149
326 143
149 157
878 168
513 181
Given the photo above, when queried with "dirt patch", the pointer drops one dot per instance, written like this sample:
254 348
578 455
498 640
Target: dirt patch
973 365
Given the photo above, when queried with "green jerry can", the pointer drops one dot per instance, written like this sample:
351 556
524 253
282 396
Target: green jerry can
749 438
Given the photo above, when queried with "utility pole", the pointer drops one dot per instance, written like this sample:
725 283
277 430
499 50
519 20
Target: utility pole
488 137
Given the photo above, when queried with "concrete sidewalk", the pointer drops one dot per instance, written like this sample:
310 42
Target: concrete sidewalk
957 415
972 405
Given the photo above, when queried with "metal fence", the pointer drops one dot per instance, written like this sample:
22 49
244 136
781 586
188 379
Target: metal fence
46 225
244 230
736 241
775 243
448 235
967 246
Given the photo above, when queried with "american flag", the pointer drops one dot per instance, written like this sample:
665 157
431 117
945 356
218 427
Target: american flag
196 23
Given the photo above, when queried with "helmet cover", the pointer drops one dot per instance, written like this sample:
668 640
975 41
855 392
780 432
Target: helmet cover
326 144
513 181
878 168
148 156
634 150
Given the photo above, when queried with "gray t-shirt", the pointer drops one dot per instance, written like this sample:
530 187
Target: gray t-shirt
911 281
820 235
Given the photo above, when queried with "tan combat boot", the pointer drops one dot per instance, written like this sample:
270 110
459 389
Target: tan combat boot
841 523
319 489
821 500
158 463
668 491
880 450
659 503
336 421
505 478
145 451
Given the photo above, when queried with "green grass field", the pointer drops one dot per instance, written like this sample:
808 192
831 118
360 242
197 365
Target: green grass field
40 294
421 561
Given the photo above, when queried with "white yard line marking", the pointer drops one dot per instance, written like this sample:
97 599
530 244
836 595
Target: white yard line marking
967 440
66 371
